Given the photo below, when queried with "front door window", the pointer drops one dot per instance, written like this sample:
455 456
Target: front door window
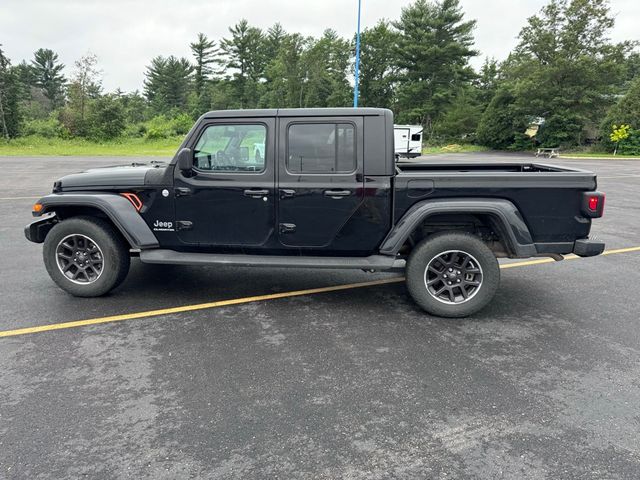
231 148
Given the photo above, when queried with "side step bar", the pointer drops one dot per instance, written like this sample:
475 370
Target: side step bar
171 257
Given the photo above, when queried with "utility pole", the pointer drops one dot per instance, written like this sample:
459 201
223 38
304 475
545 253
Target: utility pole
357 79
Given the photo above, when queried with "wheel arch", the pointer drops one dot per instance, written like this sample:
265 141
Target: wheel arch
113 208
502 215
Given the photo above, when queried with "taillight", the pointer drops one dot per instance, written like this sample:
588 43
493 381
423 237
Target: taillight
134 199
593 204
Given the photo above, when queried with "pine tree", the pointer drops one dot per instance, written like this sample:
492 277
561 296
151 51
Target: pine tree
168 83
377 66
284 74
205 54
273 40
245 56
433 52
325 66
47 72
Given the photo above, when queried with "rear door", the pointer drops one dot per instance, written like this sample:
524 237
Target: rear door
320 179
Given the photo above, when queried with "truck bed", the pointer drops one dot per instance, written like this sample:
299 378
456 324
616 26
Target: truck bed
548 196
479 168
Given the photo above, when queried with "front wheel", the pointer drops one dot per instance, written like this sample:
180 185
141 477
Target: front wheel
452 274
85 256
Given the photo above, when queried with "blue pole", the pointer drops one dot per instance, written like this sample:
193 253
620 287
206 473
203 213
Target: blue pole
357 85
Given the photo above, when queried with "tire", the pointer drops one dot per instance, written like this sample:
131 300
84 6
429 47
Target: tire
91 251
435 258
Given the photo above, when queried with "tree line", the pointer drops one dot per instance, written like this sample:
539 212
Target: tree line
565 83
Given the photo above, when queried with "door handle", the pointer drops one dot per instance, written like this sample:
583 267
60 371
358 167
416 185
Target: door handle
256 193
337 193
287 193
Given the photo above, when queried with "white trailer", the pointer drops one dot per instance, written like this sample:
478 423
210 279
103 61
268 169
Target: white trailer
408 140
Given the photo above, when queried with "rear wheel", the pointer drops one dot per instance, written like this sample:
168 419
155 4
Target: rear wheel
452 274
85 256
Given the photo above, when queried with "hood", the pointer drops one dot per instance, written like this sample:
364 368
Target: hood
116 176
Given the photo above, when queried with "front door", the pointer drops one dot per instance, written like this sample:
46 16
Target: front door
228 199
320 179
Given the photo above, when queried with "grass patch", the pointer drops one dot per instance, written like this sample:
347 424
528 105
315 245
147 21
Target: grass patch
40 146
596 155
453 148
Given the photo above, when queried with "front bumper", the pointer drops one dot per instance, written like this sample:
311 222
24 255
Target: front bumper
588 247
37 230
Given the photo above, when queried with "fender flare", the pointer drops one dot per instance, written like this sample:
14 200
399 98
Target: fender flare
118 209
512 227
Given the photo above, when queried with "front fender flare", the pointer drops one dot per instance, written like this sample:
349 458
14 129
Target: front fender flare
505 213
118 209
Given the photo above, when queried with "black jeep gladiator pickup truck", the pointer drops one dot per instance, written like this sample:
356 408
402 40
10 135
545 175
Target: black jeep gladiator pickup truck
316 188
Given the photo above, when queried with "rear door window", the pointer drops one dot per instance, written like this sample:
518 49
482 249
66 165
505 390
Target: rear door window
321 148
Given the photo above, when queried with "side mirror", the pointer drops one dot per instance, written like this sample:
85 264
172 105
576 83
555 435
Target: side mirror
185 160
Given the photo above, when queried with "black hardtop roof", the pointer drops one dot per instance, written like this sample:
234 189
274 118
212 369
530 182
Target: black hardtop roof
298 112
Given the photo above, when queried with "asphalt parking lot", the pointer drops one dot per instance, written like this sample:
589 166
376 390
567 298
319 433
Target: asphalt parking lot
351 383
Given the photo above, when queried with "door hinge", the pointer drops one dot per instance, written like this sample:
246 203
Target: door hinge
182 191
287 227
184 225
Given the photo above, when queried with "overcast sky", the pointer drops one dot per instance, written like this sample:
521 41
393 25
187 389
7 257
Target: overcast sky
126 34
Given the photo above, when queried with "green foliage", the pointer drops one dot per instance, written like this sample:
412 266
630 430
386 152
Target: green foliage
501 123
626 111
377 66
10 92
182 123
487 82
161 126
631 144
460 121
565 69
563 128
47 128
325 64
135 107
36 145
107 118
433 50
83 90
284 74
205 54
167 83
245 57
158 127
47 75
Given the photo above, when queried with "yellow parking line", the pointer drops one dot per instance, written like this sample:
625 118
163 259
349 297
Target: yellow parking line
526 263
191 308
20 198
621 250
539 261
259 298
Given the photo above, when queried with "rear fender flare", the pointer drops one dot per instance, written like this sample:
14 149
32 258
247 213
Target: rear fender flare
506 215
117 208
